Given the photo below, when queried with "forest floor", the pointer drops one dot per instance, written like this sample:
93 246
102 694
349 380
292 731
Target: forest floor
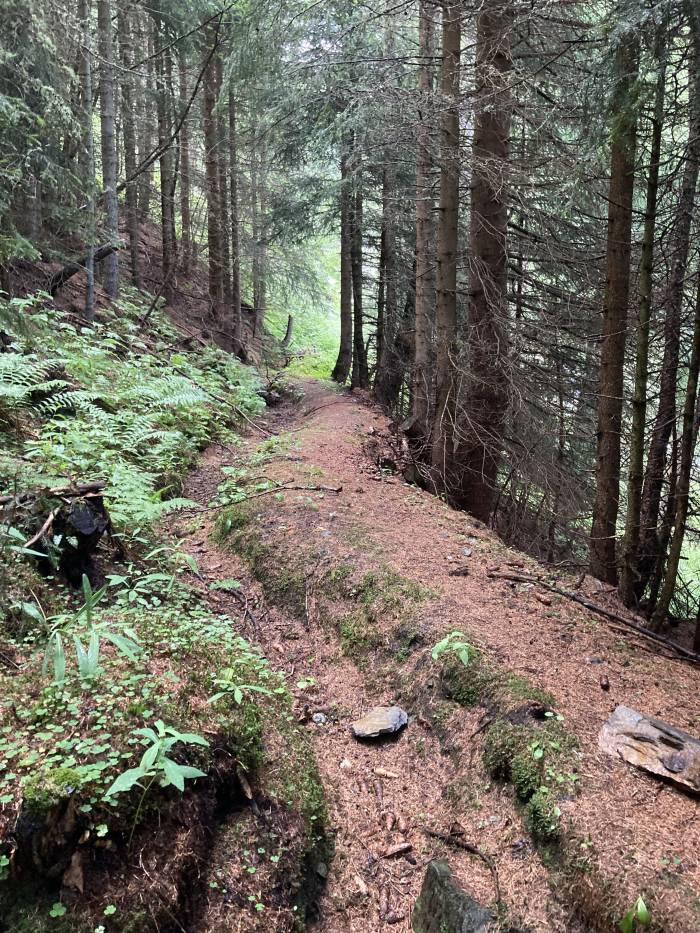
624 834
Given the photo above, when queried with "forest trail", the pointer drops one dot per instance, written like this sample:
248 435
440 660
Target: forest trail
632 834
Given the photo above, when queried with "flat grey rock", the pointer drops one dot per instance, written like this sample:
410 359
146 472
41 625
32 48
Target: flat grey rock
382 720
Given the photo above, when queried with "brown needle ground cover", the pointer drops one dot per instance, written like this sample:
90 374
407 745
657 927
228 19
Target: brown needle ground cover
327 562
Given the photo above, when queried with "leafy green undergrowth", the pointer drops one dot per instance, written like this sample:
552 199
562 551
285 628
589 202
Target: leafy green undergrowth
131 711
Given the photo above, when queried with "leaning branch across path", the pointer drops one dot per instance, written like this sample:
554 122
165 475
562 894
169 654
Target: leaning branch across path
280 487
612 617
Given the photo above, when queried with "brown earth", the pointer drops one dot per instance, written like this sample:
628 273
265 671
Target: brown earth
625 833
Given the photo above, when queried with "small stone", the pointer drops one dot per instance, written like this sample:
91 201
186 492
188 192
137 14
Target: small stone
444 905
382 720
346 765
322 870
320 719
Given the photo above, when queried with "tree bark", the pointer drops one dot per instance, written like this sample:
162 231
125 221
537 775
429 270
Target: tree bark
185 208
88 156
167 168
211 169
386 385
421 377
236 321
341 370
688 438
673 303
108 139
609 418
360 371
442 442
482 427
129 134
629 573
222 166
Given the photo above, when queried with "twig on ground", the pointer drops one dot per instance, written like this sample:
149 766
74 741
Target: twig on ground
612 617
453 840
265 492
43 530
62 492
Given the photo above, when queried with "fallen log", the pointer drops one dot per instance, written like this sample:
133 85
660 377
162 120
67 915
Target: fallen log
652 745
612 617
59 279
61 492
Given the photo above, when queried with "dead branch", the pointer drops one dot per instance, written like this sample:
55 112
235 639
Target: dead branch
454 840
43 530
59 279
612 617
265 492
62 492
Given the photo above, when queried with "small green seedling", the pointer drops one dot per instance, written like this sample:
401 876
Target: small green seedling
155 762
637 915
456 643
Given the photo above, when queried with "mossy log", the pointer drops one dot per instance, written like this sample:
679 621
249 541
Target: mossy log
652 745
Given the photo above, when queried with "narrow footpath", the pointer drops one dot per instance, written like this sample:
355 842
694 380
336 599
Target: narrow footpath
629 834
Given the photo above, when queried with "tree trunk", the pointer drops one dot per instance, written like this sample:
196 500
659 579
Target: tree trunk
481 429
629 574
688 438
185 209
236 322
129 134
609 420
386 385
673 303
108 138
442 443
222 165
88 156
360 371
421 378
341 370
211 169
167 170
149 94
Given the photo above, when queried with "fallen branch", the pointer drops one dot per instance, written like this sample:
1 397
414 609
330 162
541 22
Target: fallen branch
265 492
454 840
62 492
612 617
59 279
43 530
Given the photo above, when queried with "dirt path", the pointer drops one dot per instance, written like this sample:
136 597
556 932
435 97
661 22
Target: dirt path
636 835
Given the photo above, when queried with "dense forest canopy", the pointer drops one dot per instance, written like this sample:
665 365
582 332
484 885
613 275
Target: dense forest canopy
480 216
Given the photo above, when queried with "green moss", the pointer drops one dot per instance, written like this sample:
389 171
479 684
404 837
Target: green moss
46 789
467 684
358 634
525 774
542 815
520 688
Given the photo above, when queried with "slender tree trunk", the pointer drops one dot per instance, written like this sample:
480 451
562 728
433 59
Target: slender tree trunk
255 225
341 370
185 209
442 444
421 377
129 133
688 438
236 322
167 169
386 385
604 527
149 93
360 371
629 573
673 303
88 156
481 430
222 165
108 138
216 270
